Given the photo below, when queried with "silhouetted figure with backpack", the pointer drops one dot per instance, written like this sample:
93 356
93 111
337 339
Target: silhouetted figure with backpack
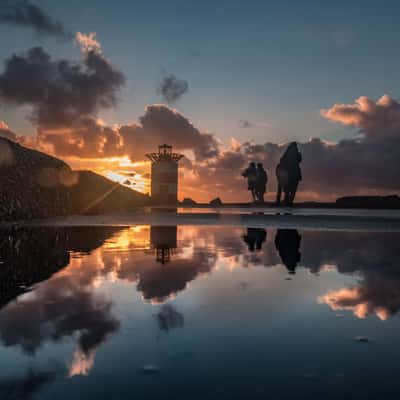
288 174
261 183
251 174
287 243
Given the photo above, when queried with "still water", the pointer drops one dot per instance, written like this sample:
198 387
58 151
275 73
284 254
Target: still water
198 312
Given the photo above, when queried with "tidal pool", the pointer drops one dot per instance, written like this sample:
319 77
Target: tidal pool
198 312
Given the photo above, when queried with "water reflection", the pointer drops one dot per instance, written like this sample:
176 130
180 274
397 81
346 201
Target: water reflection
65 305
163 239
254 238
163 260
25 387
169 318
64 286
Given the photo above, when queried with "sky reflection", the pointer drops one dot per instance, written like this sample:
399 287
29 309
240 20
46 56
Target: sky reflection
70 294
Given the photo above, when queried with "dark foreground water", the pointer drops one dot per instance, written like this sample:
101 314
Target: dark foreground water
198 313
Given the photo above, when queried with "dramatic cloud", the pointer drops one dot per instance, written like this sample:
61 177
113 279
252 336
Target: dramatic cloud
25 14
159 124
376 120
66 97
172 88
164 124
364 165
60 93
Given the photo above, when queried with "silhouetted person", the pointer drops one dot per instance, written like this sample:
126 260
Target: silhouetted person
251 174
282 180
261 183
287 243
289 174
255 238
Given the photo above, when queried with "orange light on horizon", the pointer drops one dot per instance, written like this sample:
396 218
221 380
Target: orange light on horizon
131 174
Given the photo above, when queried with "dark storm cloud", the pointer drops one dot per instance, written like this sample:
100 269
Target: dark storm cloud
26 14
159 124
172 88
87 137
162 122
59 92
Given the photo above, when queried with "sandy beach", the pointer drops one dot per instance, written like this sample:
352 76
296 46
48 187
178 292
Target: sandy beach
366 220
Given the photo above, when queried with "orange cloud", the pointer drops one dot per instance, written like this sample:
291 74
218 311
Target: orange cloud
88 42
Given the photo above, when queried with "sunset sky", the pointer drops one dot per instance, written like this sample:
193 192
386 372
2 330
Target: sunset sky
100 83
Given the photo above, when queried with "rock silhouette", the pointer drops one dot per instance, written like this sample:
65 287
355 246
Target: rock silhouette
36 185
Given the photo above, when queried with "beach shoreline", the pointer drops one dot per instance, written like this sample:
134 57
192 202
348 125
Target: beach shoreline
259 219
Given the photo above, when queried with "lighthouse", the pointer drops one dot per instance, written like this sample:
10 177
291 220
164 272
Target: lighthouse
164 175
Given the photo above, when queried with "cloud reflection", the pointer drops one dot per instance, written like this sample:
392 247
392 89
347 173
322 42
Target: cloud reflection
71 303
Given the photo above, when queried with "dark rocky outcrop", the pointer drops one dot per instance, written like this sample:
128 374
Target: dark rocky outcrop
30 183
36 185
216 202
187 201
386 202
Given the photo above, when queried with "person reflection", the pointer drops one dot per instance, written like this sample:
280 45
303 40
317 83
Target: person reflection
287 243
254 238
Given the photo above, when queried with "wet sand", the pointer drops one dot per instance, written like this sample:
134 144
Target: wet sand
389 221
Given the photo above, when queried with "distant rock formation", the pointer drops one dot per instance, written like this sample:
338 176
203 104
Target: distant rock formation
386 202
187 201
216 202
36 185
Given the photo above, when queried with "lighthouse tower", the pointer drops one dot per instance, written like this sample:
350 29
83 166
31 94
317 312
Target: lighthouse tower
164 175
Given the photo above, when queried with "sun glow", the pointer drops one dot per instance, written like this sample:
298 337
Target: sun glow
136 237
134 175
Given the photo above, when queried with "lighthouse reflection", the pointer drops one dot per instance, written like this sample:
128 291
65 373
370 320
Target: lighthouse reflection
164 240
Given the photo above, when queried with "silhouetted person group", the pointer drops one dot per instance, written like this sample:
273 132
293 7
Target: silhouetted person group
288 175
257 179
